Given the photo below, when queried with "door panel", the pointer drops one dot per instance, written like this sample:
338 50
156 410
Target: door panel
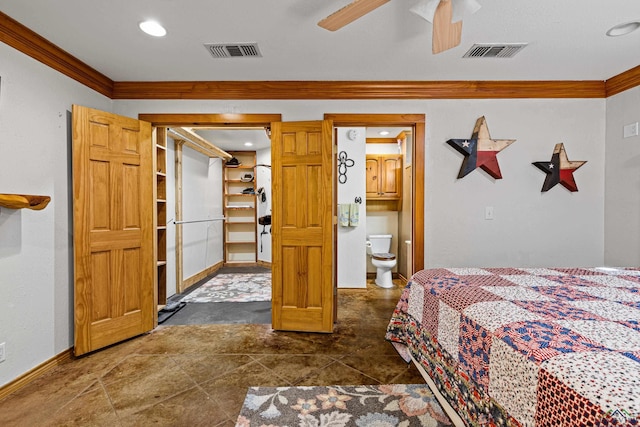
113 228
390 174
372 169
302 267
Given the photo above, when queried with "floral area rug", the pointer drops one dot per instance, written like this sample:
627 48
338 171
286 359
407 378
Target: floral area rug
402 405
233 288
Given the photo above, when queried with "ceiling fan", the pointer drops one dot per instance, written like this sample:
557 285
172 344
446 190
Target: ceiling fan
445 15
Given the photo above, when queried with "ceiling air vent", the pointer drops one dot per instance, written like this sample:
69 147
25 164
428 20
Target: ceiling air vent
234 50
494 50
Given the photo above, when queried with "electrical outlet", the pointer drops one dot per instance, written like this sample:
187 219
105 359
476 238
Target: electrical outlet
2 353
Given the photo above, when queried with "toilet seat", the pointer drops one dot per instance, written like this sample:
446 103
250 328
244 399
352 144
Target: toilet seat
383 256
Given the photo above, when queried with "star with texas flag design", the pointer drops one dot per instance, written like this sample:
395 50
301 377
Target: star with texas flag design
480 150
559 170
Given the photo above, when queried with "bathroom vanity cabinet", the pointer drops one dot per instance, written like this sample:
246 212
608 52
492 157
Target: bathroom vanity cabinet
384 176
240 238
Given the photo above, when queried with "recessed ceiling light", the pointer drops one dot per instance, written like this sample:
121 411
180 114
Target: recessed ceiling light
384 132
248 144
623 29
152 28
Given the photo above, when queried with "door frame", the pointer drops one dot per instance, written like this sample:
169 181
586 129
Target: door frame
415 121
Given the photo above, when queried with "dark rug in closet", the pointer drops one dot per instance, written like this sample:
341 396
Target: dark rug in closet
222 312
256 312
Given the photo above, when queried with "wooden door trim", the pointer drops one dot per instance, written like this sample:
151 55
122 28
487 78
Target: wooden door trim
199 119
417 122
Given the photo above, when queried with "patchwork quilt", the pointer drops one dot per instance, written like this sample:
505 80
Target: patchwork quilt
527 346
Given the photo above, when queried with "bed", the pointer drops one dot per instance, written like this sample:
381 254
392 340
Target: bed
527 346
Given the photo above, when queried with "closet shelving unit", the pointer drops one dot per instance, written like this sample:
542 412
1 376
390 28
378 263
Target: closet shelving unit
161 214
240 226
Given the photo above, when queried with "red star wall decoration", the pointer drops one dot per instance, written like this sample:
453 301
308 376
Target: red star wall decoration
559 170
480 150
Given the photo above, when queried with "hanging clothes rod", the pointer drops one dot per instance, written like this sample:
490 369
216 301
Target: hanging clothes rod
199 144
199 220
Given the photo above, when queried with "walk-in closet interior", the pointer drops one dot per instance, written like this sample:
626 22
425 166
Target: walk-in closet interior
213 197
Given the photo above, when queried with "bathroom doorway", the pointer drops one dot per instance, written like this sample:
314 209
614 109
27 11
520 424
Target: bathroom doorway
411 218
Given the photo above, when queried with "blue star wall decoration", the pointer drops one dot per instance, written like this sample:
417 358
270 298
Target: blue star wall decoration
559 170
480 150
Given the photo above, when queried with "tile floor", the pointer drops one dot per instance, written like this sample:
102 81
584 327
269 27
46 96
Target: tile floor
198 375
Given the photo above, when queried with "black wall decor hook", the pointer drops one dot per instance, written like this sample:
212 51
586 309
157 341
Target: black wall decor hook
343 164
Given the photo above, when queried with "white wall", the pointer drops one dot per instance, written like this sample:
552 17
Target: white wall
622 191
352 250
531 228
263 180
201 199
36 274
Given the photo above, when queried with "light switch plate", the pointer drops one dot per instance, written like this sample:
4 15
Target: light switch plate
631 130
488 212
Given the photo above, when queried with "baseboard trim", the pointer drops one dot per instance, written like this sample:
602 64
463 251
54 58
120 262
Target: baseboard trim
264 264
199 276
36 372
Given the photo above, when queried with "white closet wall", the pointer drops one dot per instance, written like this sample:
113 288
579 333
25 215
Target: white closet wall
263 175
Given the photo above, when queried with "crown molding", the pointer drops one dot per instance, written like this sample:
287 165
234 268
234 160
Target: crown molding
32 44
358 89
37 47
623 81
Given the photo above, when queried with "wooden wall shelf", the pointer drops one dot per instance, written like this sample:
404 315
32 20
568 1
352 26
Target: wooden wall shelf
24 201
240 232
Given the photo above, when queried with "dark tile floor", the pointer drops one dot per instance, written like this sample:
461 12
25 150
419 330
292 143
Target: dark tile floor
198 375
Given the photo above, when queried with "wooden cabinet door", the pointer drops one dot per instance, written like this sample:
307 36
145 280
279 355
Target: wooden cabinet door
113 229
384 179
373 177
390 180
302 226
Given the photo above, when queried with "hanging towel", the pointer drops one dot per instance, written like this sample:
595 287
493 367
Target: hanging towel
354 214
343 215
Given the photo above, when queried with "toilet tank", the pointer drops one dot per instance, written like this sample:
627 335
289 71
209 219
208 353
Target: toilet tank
380 243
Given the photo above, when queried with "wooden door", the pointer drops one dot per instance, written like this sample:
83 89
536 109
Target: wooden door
302 219
113 228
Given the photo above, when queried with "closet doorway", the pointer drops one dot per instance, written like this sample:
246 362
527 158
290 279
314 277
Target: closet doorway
231 122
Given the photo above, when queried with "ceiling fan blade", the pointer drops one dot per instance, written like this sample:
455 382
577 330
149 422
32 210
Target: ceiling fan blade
350 13
446 34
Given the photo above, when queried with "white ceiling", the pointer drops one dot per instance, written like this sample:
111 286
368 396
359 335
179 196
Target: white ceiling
566 39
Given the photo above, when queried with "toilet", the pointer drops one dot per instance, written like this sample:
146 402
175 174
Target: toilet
378 246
